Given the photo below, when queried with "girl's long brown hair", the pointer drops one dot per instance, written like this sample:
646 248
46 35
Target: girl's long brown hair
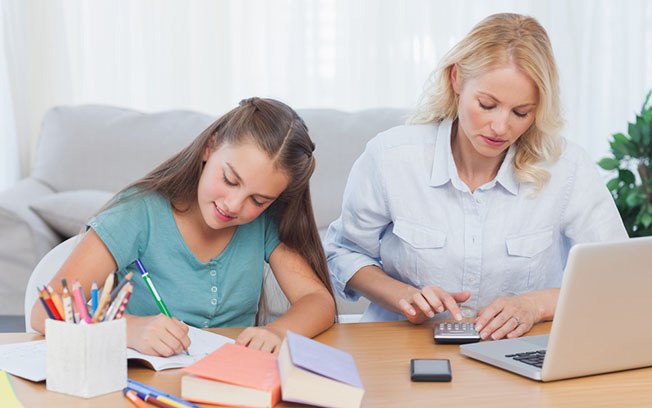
279 131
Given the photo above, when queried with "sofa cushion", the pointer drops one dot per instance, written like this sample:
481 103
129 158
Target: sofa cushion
105 147
67 212
340 137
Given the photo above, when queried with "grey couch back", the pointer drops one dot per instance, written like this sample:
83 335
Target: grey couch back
105 148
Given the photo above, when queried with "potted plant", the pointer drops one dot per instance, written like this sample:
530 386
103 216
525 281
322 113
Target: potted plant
631 153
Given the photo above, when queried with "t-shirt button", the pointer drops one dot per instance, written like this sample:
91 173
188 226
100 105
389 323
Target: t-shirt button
213 273
213 301
214 289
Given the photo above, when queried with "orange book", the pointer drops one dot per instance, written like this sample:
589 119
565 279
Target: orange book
233 375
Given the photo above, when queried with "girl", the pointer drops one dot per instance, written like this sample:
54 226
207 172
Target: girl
478 200
204 222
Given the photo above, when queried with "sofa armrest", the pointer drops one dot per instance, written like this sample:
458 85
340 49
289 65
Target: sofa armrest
24 239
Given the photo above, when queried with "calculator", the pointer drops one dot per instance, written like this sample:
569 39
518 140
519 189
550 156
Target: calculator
456 333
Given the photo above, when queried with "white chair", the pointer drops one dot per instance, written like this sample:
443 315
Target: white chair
43 273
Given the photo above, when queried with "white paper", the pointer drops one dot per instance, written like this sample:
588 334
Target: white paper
202 343
27 360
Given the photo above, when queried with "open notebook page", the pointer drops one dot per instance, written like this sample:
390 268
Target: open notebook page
27 360
201 343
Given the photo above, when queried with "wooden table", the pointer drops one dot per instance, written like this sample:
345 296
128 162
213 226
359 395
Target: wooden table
382 352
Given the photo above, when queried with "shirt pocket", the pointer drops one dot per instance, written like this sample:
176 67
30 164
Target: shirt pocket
526 254
422 252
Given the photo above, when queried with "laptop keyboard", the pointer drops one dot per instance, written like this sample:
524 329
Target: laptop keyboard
534 358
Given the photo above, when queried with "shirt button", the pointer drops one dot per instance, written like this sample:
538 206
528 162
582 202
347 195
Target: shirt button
214 289
213 272
213 302
205 325
472 279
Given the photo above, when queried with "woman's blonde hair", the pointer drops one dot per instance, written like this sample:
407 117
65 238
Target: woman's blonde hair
497 40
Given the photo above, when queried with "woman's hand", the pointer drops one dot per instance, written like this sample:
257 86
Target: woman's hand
157 335
423 304
260 338
510 317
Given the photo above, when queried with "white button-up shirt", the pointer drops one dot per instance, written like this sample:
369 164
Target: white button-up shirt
406 210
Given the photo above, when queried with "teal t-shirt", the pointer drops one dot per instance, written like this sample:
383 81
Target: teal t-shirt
223 292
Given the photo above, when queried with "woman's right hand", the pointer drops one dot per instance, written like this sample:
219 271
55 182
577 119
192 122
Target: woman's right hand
424 303
157 335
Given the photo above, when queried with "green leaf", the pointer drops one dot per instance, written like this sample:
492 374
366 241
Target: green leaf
621 199
639 217
647 99
619 148
620 138
634 198
646 220
613 183
646 132
621 203
626 176
647 115
634 132
608 163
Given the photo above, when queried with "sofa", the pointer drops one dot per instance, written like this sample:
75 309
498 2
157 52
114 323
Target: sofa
87 153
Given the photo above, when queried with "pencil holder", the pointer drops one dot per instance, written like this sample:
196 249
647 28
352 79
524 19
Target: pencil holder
86 360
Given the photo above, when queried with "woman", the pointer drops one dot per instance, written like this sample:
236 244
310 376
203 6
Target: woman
479 199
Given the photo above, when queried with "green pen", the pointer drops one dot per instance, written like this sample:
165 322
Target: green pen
150 285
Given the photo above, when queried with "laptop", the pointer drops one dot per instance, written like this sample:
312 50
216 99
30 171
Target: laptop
602 322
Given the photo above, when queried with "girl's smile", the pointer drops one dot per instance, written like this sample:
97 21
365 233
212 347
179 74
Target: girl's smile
220 214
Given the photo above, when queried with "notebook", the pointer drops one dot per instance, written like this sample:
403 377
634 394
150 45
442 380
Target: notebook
27 360
601 323
202 343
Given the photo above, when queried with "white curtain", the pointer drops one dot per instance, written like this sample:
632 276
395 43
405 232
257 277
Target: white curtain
9 157
347 54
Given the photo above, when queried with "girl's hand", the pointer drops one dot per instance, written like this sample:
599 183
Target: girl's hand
430 300
157 335
260 338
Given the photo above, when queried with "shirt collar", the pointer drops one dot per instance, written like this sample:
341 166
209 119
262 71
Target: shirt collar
506 176
444 170
443 165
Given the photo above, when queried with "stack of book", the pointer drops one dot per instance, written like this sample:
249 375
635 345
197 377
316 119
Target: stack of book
305 371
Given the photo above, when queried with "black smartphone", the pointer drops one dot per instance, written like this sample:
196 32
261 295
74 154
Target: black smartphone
430 369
